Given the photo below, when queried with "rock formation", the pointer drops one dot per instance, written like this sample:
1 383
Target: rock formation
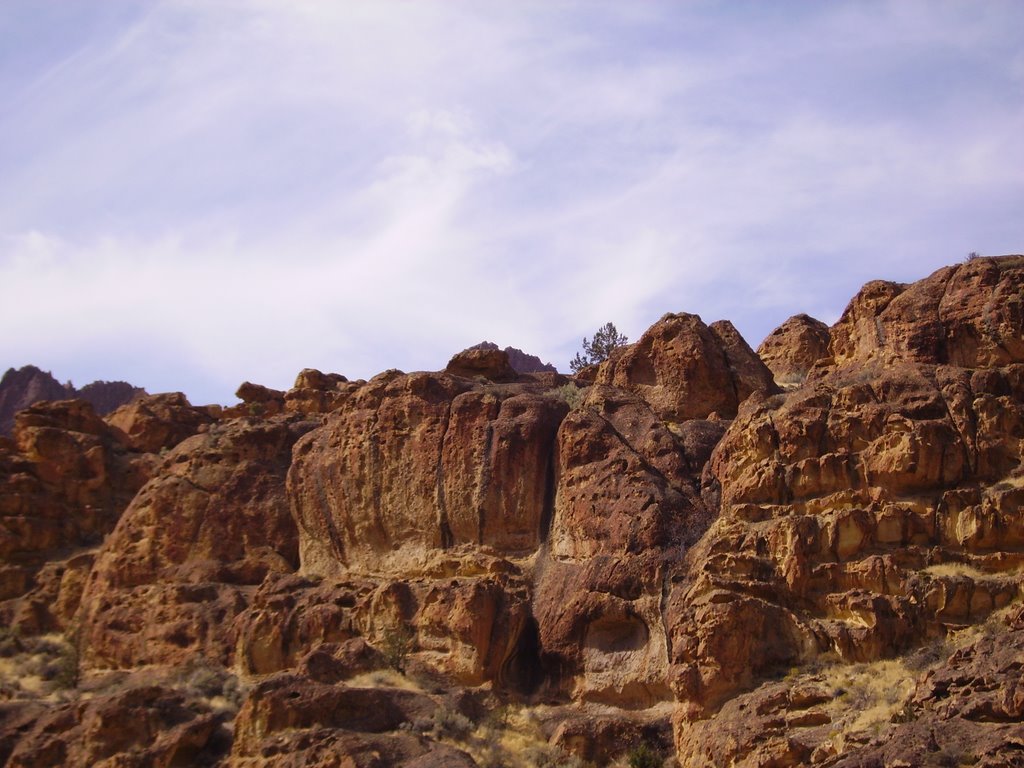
28 385
811 556
793 348
520 361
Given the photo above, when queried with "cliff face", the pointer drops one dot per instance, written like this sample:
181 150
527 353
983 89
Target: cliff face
679 554
26 386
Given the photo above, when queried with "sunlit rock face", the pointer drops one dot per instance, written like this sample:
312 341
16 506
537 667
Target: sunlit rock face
674 550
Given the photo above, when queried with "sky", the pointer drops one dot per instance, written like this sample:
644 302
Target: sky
196 193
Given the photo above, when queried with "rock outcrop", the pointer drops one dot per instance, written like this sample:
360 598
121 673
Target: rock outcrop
793 348
213 521
686 370
28 385
520 361
667 550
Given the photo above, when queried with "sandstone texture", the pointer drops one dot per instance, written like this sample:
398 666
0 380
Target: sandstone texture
685 369
809 555
792 349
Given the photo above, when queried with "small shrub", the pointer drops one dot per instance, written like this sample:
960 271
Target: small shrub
451 724
972 256
571 394
396 645
643 756
10 642
68 670
206 680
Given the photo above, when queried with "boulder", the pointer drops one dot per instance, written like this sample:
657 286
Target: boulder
792 349
686 370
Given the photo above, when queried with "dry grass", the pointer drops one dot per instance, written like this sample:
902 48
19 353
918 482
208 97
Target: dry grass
952 570
37 667
384 678
509 738
867 696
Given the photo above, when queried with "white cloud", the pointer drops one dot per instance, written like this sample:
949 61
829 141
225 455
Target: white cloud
205 192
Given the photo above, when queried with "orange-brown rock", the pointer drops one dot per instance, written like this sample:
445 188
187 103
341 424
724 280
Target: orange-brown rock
23 388
686 370
969 315
174 573
258 400
152 423
290 720
317 392
491 364
833 500
794 347
136 728
470 628
64 480
419 463
626 507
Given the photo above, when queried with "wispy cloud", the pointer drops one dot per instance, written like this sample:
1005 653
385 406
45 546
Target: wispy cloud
198 193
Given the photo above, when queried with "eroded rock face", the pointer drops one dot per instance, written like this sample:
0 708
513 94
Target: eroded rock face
832 502
173 574
144 726
317 392
625 510
969 315
794 347
492 364
153 423
414 464
617 547
686 370
64 480
26 386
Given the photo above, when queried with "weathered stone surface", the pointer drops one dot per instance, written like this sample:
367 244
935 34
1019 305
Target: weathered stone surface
686 370
470 628
969 315
153 423
414 464
22 388
626 508
492 364
833 500
64 480
794 347
290 720
135 728
317 392
172 575
520 361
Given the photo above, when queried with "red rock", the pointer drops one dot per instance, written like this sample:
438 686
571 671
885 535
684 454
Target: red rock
153 423
167 728
171 577
405 468
970 315
492 364
686 370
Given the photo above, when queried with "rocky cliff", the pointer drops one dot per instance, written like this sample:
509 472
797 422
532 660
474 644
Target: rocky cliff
810 555
28 385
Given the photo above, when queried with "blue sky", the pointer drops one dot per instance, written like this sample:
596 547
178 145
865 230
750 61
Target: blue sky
193 194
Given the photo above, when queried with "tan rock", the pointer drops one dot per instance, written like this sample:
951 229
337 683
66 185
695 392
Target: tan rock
171 576
686 370
794 347
152 423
